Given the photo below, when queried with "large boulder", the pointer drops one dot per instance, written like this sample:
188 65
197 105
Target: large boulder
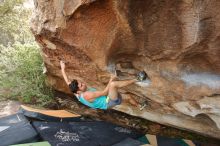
177 43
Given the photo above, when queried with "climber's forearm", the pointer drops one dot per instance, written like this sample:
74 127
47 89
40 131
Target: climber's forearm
65 77
108 85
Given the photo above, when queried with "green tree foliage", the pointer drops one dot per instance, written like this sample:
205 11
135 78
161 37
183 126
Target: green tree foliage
14 22
21 65
21 74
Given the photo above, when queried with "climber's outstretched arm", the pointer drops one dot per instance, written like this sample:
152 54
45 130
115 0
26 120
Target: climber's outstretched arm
62 65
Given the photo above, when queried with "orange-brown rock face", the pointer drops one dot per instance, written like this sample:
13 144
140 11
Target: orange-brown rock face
177 43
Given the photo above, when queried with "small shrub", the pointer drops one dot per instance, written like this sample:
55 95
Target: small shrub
21 74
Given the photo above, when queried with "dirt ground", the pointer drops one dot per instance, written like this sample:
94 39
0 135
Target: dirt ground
8 107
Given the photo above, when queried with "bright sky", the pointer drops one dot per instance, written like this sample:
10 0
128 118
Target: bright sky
29 4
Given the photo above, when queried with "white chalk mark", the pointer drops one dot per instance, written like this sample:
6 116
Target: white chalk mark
196 79
122 130
43 127
144 83
18 118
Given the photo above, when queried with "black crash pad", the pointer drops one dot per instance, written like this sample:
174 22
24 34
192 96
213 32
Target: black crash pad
13 119
83 133
15 129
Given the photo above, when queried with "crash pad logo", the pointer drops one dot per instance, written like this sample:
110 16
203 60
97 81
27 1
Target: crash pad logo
122 130
66 136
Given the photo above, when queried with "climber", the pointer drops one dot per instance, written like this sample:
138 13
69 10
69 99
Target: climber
104 99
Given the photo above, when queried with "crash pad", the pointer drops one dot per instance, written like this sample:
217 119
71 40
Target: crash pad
94 133
13 119
16 129
49 115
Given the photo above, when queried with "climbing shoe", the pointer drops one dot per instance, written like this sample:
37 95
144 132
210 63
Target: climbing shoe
141 76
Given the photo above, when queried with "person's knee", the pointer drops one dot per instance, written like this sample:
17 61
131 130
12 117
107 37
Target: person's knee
126 98
113 85
129 97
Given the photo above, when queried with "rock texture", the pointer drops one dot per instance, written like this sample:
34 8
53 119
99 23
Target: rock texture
177 43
